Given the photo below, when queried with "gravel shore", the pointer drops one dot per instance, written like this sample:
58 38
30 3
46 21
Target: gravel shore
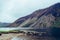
21 36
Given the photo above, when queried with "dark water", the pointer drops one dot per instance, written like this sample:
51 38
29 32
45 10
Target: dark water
32 38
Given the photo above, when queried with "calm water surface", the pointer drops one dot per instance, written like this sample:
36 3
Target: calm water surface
21 38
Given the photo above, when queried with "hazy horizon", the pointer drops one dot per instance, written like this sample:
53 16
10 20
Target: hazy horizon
11 10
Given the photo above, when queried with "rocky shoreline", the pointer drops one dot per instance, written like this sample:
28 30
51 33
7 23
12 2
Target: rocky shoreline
18 36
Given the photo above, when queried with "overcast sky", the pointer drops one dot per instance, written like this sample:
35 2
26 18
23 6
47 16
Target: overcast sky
11 10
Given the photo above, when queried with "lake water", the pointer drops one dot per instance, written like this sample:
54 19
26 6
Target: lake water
22 38
7 29
32 38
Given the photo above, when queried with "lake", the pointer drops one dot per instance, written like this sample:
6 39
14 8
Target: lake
32 38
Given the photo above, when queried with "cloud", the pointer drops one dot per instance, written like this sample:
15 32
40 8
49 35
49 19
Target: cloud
6 17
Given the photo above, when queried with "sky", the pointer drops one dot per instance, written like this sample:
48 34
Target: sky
11 10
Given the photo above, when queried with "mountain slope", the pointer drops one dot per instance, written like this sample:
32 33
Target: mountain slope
41 18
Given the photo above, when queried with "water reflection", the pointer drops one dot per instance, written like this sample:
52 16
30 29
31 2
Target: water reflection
16 38
22 38
7 29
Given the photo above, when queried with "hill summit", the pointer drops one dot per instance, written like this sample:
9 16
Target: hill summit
41 18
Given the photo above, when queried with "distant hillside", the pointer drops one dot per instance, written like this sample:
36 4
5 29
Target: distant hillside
41 18
3 24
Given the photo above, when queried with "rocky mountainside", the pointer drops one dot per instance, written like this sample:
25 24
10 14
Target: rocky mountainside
41 18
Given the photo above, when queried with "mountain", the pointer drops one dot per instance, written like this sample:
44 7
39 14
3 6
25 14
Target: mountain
4 24
42 18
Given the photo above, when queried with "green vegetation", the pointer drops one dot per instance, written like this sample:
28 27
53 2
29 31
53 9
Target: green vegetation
57 22
13 30
10 31
4 31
